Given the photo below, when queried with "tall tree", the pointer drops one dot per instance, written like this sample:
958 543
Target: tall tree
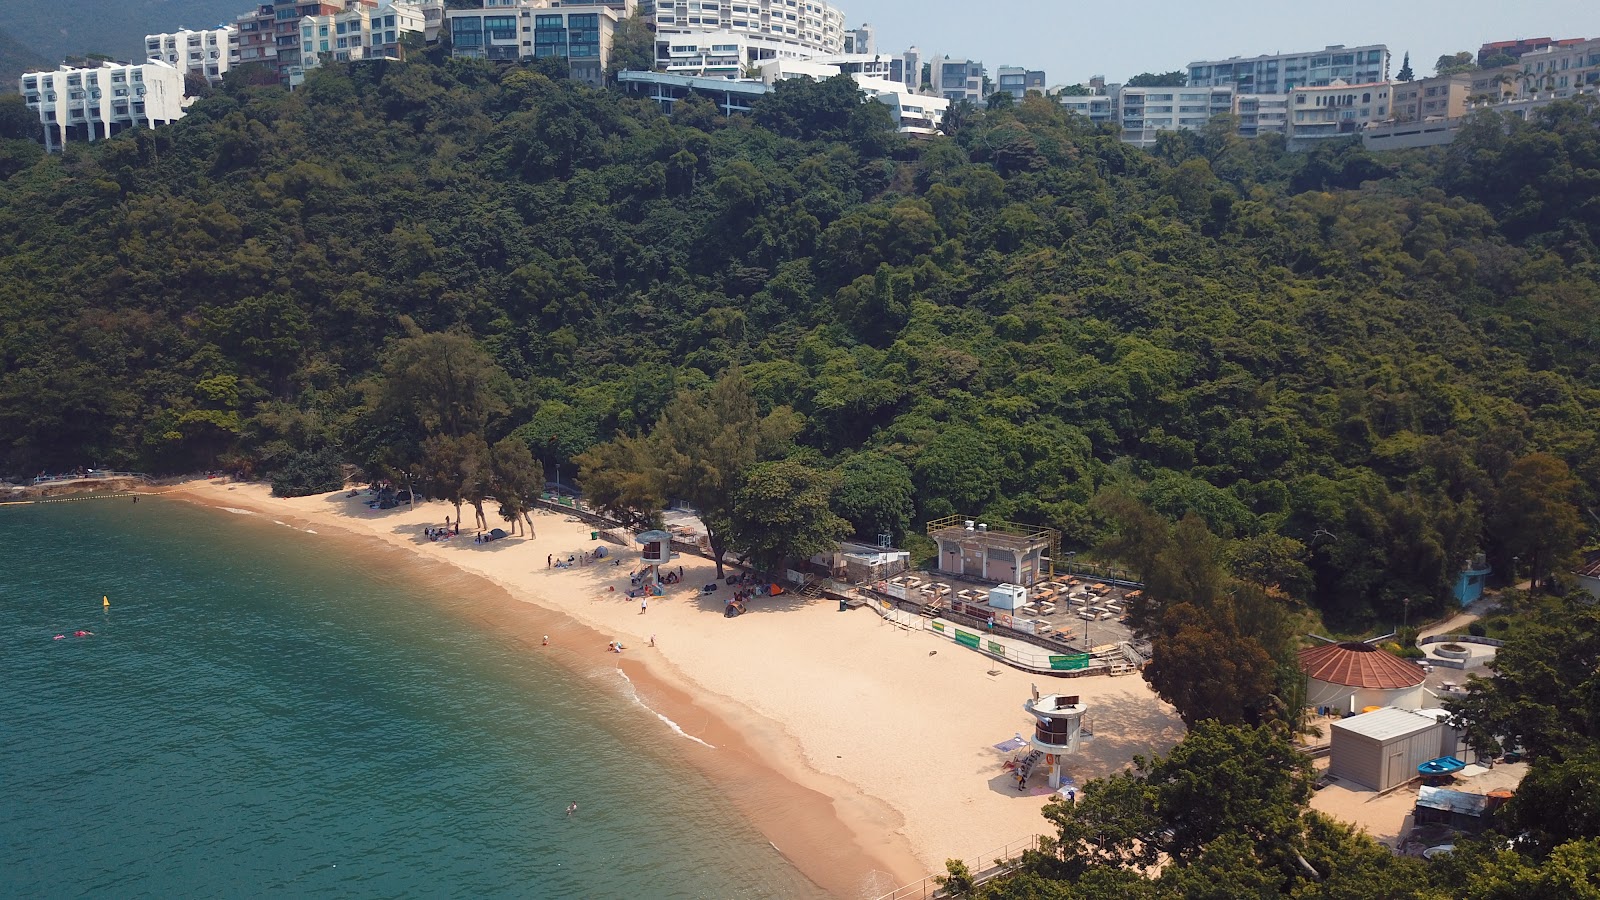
633 47
1536 514
1175 78
781 511
1456 63
518 479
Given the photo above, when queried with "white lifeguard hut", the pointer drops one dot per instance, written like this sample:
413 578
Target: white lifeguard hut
1058 725
657 547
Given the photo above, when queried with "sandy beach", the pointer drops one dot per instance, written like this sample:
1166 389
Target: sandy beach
862 751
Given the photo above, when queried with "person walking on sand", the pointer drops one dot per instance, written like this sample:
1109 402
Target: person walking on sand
644 605
652 640
549 560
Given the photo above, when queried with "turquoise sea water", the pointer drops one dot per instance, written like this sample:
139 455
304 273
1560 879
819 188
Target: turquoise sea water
259 715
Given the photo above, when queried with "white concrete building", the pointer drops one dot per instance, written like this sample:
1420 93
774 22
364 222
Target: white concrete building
1097 108
914 114
204 53
1278 73
1145 112
92 104
760 29
1262 114
1317 113
360 32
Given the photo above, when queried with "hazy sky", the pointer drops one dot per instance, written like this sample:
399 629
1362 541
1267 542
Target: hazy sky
1072 40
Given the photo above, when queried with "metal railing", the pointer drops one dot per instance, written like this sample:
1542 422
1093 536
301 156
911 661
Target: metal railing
983 867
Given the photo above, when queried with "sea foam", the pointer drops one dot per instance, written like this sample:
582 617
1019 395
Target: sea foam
677 729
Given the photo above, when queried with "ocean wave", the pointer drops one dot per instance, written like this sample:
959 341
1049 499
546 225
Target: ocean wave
237 511
633 693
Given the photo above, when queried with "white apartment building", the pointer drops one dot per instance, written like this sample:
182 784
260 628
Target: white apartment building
1097 108
204 53
1145 112
914 114
1337 109
1280 72
359 32
92 104
761 29
1262 114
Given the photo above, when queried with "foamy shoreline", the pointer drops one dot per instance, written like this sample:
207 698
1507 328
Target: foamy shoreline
861 751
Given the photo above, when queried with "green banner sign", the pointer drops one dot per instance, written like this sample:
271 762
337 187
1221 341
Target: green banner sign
938 626
998 649
966 640
1075 661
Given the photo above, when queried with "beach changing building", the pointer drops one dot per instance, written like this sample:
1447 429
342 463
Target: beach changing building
1005 552
1350 676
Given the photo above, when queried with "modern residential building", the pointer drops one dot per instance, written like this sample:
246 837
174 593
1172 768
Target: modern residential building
579 33
1335 110
203 53
912 67
360 32
731 96
1496 84
1097 108
1280 72
1560 70
1262 114
270 34
957 79
91 104
870 65
861 40
914 114
1145 112
1440 97
1018 81
1515 49
718 53
768 29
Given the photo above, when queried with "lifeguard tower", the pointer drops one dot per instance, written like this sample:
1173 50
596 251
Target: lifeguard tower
655 551
1058 724
1006 552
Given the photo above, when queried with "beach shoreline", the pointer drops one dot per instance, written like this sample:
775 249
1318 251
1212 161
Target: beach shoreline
860 751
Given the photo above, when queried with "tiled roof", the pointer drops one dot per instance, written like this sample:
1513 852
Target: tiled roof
1590 567
1360 665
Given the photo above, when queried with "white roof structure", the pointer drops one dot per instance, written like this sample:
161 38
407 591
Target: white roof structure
1388 723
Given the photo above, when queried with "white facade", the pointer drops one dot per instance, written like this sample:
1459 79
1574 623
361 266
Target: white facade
764 29
1147 111
712 53
1278 73
95 103
204 53
1336 109
1262 114
1097 108
913 113
360 32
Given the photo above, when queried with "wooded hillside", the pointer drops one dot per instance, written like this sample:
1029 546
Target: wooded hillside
1335 359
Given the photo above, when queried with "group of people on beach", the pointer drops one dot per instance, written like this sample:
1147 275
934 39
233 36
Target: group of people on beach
442 534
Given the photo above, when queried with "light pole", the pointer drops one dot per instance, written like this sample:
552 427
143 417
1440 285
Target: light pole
1405 621
1514 561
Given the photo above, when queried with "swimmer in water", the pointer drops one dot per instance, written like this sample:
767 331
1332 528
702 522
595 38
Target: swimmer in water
83 634
59 637
572 808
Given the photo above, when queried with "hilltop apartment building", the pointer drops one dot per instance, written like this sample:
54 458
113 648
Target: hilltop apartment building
91 104
1282 72
204 53
755 30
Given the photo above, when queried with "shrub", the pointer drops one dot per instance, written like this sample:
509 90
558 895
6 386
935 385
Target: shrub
1478 629
1453 648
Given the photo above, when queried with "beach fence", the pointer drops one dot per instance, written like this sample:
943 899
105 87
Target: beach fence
983 866
1119 659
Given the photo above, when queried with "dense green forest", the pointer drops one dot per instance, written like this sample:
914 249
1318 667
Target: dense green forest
1356 370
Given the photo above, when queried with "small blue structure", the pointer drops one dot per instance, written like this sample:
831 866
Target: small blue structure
1471 579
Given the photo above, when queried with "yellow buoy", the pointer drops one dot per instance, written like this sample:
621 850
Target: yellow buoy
105 602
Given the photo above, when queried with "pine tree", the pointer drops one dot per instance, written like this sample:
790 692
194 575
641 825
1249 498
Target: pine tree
1405 73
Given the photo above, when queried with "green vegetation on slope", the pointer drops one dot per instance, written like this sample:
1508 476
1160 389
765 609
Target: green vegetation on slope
1346 352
